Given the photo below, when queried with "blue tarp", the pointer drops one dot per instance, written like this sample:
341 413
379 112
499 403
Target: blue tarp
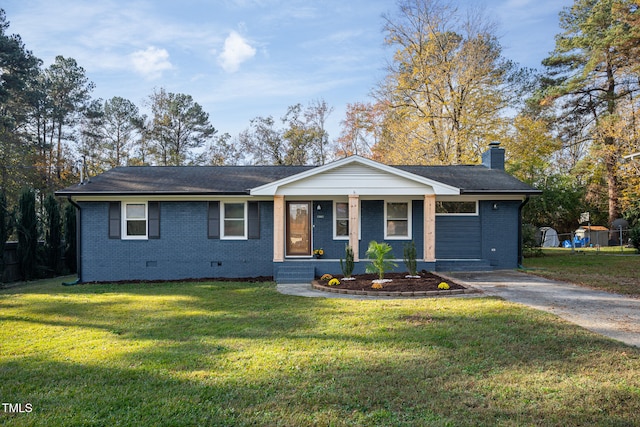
578 243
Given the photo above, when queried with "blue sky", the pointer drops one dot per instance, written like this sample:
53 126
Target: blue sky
241 59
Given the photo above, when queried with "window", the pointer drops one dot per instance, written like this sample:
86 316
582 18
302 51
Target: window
234 220
456 208
397 220
134 220
341 219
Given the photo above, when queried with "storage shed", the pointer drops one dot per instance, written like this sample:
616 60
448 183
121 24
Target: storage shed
593 235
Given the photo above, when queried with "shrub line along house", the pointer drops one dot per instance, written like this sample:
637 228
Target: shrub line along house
182 222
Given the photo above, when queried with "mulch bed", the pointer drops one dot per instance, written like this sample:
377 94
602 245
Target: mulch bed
427 282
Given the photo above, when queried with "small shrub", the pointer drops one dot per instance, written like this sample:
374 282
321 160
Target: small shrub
334 282
348 265
376 285
531 241
635 237
443 285
326 277
410 258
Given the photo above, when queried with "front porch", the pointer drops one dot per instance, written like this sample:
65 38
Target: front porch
354 201
304 271
302 226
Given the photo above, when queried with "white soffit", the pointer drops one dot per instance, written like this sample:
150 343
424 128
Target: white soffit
355 175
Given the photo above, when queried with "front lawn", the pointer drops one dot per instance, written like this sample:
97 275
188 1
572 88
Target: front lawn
242 354
609 271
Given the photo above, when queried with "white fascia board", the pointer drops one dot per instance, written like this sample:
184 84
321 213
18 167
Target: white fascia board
276 187
165 198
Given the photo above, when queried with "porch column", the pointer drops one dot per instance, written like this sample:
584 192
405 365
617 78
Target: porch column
278 228
429 238
354 222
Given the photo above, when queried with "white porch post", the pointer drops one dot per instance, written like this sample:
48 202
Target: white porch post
429 227
278 228
354 222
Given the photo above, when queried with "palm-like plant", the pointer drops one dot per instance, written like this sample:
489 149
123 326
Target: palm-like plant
380 255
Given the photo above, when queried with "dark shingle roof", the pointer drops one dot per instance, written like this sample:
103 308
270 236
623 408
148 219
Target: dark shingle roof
472 179
205 180
145 180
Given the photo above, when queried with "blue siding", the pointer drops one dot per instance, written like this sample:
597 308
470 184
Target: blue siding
500 233
183 250
491 236
372 212
458 237
323 230
372 223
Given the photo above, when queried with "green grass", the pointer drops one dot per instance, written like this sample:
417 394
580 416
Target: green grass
607 271
242 354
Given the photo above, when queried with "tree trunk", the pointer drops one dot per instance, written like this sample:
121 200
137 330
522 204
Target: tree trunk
611 156
611 163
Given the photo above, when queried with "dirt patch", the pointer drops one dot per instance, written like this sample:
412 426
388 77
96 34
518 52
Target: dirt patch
399 283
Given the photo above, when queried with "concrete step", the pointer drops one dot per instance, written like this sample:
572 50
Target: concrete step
464 265
294 274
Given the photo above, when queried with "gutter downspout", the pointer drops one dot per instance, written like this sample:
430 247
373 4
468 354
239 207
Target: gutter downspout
78 243
520 253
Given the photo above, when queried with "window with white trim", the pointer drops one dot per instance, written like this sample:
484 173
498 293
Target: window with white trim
457 208
234 220
134 220
341 220
397 220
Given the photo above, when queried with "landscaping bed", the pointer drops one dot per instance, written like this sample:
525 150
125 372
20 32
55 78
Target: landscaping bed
399 285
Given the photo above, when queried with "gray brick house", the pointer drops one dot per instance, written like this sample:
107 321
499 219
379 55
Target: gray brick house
168 223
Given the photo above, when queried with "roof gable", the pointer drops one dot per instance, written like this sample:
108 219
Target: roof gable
355 175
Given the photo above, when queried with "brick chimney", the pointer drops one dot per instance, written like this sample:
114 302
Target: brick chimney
493 158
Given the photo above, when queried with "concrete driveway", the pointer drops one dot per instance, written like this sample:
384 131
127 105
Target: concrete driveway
608 314
612 315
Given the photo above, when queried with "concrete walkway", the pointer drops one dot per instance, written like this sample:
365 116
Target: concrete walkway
608 314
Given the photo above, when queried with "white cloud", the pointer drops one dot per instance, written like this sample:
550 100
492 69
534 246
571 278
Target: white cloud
151 62
236 51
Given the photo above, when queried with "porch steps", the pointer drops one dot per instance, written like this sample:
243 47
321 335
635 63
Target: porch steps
464 265
295 274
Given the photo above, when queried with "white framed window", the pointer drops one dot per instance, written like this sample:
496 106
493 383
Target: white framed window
397 220
457 208
233 224
134 220
341 220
